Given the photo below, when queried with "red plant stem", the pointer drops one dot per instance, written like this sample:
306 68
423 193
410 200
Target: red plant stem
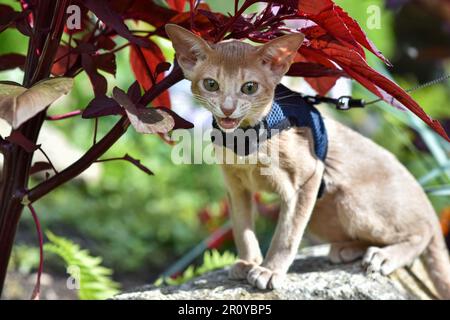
37 286
110 159
120 47
42 48
146 66
64 116
69 49
98 149
48 159
231 22
94 140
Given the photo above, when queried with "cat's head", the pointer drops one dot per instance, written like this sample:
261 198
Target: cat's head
232 79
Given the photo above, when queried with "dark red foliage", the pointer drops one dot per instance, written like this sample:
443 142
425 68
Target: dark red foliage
334 48
11 61
19 139
102 106
113 20
144 63
177 5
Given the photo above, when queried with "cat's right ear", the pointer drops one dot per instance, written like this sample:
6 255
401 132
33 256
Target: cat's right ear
189 48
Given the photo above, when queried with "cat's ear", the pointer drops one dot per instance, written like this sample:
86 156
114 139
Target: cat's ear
189 48
279 53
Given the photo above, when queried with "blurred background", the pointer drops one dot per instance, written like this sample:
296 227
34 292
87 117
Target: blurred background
143 227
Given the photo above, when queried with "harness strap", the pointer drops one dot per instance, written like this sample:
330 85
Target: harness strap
289 109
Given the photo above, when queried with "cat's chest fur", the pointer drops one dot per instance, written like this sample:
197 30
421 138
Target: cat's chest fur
272 172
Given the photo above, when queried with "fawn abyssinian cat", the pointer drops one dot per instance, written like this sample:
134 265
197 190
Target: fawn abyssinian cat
373 208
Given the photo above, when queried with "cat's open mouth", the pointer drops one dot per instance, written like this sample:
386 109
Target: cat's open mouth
228 123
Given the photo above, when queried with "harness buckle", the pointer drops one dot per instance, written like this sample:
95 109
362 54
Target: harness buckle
343 103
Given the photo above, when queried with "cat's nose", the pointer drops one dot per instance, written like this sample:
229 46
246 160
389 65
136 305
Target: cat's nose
228 110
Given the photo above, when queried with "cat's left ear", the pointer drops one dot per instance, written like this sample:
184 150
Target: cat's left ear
279 53
189 48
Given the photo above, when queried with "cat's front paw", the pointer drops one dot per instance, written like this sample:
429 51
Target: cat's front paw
263 278
240 270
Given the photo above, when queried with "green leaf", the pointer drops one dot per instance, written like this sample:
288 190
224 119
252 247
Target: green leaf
94 280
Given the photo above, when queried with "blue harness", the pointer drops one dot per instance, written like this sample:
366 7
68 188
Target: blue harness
289 109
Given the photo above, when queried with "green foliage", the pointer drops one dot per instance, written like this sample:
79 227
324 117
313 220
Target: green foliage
24 258
212 260
94 280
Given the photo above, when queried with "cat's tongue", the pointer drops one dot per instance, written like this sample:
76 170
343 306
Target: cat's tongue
228 123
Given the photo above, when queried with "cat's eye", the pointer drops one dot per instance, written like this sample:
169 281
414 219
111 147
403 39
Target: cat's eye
210 85
249 87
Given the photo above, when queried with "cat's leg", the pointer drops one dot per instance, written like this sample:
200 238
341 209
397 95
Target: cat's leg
343 252
242 219
388 259
296 208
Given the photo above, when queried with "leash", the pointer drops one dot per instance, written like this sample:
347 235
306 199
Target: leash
344 103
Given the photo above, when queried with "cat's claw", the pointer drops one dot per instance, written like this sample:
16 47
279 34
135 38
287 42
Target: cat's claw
265 279
240 269
376 260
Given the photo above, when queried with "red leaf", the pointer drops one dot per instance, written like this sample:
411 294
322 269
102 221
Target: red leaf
356 67
144 67
322 85
102 106
23 26
162 67
19 139
314 70
7 16
312 7
63 61
97 80
106 62
134 92
219 237
178 5
338 23
11 61
146 11
85 47
104 42
359 35
112 19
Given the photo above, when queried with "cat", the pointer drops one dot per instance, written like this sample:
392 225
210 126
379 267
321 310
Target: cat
372 207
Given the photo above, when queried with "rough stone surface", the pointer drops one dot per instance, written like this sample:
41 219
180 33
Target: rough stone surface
311 276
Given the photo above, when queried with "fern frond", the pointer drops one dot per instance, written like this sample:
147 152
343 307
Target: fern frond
92 279
212 260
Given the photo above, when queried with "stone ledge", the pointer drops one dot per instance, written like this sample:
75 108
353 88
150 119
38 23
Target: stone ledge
311 276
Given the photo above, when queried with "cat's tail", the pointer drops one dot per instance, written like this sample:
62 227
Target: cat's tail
437 261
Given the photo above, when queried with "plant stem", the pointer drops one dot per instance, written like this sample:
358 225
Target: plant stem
64 116
99 148
42 47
